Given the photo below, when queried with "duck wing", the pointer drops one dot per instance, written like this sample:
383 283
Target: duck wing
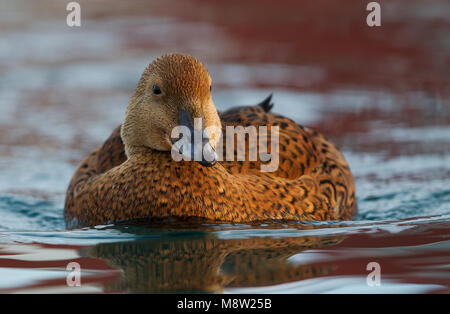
303 154
298 153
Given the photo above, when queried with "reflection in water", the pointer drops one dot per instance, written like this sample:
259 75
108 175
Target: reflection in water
287 258
204 263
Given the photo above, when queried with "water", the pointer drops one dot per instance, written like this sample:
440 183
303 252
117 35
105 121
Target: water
381 95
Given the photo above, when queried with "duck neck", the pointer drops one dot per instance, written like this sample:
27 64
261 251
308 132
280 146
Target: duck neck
132 150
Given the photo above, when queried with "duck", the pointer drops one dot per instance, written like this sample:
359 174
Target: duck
135 174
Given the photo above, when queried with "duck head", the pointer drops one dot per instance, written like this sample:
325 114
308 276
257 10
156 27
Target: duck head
173 91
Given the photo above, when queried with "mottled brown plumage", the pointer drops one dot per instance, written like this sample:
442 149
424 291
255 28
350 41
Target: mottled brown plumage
137 177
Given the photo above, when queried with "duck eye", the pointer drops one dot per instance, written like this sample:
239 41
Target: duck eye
156 90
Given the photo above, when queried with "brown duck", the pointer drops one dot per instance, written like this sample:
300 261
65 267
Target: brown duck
134 176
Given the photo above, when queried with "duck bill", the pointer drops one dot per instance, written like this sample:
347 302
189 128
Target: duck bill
193 141
209 156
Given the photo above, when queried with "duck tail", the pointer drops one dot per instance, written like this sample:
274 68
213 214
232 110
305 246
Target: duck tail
266 104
